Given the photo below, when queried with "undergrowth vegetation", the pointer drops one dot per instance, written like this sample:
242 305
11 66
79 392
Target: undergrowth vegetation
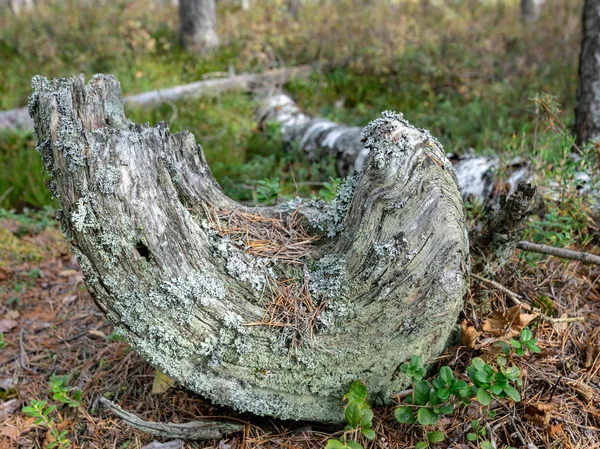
463 70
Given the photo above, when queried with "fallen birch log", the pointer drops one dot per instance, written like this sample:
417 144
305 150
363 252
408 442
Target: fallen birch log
318 136
272 310
19 118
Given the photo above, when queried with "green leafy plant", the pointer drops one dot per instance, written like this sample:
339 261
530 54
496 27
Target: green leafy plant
489 383
359 419
428 401
329 189
40 410
60 391
431 400
526 341
267 191
477 431
2 343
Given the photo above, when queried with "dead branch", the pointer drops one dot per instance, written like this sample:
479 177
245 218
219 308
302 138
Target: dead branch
193 430
559 252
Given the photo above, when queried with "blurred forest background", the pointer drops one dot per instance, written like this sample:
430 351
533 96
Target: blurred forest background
484 76
466 70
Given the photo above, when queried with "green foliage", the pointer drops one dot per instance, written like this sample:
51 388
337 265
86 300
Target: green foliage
329 189
476 89
43 411
491 383
359 419
60 391
40 410
414 370
429 401
2 342
31 221
477 431
22 183
267 191
525 342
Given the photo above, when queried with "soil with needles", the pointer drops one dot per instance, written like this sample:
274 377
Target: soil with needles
52 326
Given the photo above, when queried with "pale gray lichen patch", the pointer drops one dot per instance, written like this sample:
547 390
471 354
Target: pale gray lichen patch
247 269
390 134
83 217
331 218
390 249
239 265
180 295
107 179
326 276
327 281
113 247
292 205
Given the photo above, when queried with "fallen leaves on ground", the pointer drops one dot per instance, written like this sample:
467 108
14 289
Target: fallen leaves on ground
508 323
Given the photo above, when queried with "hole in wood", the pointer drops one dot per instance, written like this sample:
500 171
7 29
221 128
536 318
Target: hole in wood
143 250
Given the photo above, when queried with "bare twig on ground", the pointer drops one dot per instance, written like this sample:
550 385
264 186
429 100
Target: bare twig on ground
193 430
559 252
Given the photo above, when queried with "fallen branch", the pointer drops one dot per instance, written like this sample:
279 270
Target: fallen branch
318 137
19 118
559 252
193 430
517 300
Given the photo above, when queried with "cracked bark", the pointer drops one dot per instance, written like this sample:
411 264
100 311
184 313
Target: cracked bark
133 198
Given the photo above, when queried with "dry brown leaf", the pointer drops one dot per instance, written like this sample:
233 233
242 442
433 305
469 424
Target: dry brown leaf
69 299
561 326
468 335
507 324
12 314
7 325
10 431
585 391
4 274
161 383
556 430
538 413
96 333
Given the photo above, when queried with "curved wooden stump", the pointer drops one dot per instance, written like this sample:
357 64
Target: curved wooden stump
138 205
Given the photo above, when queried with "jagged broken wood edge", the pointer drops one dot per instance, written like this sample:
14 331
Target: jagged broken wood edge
393 270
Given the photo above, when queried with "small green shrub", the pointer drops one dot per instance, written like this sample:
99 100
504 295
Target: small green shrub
359 419
41 411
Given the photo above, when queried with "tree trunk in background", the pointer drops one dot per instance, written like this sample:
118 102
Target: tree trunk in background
198 25
383 280
531 10
587 111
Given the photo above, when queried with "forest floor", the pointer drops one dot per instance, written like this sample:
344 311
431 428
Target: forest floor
470 72
51 327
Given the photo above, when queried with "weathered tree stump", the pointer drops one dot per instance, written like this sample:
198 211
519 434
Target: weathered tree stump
342 291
